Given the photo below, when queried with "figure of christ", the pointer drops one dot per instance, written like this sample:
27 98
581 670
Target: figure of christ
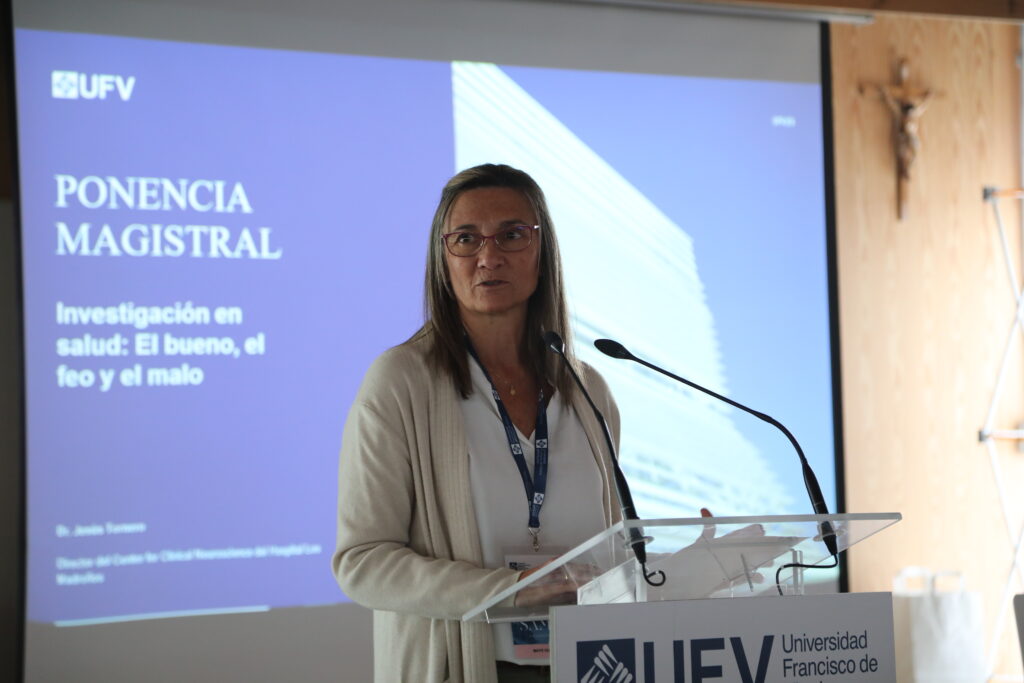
907 106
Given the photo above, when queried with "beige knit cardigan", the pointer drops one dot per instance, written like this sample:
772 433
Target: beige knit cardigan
408 545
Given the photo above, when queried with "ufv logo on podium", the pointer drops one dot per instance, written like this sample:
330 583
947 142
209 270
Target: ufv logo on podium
71 85
614 661
606 661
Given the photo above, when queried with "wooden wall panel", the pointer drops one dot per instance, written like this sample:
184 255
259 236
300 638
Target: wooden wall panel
989 9
925 304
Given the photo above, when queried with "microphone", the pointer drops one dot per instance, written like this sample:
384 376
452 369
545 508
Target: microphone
828 536
553 341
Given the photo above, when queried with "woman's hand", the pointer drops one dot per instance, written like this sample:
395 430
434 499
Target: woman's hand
557 588
751 530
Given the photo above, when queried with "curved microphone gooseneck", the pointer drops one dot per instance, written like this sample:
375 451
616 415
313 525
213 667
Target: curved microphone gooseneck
828 536
553 341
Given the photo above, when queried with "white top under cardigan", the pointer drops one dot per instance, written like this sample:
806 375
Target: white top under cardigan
408 545
572 510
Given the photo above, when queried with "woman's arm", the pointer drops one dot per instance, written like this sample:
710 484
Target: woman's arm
376 562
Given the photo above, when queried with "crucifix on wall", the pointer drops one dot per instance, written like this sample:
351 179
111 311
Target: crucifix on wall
906 104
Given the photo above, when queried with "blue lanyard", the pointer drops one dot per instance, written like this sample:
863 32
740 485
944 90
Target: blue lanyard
535 487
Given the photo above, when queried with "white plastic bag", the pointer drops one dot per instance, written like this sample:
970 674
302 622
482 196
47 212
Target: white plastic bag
939 634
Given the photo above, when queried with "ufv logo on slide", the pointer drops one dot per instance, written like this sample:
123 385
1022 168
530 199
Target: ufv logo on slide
71 85
614 661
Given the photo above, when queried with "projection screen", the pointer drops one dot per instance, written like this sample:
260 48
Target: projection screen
224 218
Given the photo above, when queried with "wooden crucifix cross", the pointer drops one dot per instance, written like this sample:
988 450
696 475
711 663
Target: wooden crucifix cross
906 104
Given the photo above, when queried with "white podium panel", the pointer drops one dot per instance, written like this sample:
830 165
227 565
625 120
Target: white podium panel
797 639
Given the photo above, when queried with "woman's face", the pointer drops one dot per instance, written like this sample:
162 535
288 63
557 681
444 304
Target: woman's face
492 282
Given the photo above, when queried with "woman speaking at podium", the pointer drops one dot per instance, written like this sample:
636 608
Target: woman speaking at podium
468 453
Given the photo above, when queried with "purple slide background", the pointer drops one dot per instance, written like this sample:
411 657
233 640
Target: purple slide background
343 158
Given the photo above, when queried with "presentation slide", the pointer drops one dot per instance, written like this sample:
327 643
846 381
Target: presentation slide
217 241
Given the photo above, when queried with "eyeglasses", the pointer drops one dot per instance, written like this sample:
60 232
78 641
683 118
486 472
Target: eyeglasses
468 243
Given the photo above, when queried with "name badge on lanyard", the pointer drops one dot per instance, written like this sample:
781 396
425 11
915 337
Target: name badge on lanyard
535 486
530 639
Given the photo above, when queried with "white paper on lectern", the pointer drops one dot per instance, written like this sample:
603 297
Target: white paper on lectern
709 565
614 586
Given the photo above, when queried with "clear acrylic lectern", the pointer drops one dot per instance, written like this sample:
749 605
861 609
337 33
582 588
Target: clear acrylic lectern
701 557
